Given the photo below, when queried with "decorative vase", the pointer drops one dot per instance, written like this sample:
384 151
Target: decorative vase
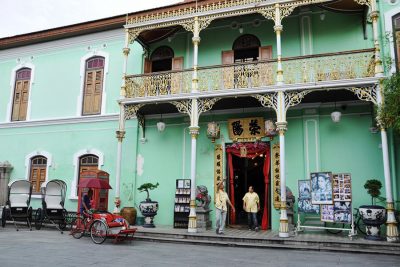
373 217
129 214
149 210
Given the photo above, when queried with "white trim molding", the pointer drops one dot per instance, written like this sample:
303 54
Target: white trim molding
12 89
311 120
75 163
92 53
389 31
28 158
306 36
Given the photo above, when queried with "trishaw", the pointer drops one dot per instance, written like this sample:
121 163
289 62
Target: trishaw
53 197
18 203
99 224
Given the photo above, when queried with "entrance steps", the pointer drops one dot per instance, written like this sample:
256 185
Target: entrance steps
316 241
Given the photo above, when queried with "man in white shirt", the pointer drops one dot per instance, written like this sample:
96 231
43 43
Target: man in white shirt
251 204
221 199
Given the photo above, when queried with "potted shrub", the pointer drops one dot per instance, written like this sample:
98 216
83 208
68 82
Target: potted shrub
373 215
148 208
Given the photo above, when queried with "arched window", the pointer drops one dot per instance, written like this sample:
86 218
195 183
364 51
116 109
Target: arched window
21 94
396 30
38 167
87 162
93 87
246 48
161 59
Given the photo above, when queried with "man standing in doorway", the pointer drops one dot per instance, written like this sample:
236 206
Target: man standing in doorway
251 204
221 198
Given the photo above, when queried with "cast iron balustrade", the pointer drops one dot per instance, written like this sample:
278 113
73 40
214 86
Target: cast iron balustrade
258 74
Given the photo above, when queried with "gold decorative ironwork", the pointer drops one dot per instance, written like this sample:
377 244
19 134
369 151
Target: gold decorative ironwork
364 2
206 104
294 98
131 111
183 106
276 178
368 94
269 100
359 64
329 68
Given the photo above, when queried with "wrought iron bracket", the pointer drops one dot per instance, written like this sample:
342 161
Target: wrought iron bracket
369 94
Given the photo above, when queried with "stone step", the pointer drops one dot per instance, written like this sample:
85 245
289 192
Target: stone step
207 239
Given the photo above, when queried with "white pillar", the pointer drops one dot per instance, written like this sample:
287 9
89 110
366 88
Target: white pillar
278 29
281 125
194 130
126 51
120 136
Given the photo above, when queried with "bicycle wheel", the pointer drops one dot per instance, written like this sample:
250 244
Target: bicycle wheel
361 226
38 219
4 217
98 231
78 228
339 227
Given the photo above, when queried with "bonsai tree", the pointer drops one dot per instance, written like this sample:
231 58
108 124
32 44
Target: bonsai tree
373 187
146 187
389 112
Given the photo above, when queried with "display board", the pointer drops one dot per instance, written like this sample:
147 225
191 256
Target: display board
182 203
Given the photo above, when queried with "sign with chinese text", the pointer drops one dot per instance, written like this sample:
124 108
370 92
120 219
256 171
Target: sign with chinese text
218 168
276 179
246 129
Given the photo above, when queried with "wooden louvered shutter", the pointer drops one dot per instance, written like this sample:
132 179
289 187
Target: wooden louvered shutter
147 65
177 63
228 57
21 97
93 92
265 52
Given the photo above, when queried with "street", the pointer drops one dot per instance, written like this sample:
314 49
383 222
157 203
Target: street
50 248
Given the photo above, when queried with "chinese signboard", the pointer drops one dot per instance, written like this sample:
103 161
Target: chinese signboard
276 179
246 129
218 168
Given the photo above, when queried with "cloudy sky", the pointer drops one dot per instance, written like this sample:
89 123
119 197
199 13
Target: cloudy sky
23 16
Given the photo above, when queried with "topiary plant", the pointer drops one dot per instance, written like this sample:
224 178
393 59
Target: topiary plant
146 187
373 187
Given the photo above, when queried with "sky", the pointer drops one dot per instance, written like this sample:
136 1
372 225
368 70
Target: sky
24 16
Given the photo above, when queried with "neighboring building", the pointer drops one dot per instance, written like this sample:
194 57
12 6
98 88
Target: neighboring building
62 99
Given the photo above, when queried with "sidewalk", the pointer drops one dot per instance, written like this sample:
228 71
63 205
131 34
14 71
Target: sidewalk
309 240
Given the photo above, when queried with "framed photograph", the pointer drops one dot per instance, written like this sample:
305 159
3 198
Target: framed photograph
342 211
327 213
180 183
187 183
304 189
321 188
305 205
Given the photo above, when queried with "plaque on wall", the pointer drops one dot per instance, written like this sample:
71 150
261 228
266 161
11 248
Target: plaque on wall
246 129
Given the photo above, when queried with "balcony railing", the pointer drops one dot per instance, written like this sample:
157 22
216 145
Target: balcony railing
305 69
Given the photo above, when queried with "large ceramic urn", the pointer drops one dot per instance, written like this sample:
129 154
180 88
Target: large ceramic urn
373 217
148 209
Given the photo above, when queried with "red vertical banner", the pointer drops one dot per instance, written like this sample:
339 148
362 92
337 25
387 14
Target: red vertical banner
266 170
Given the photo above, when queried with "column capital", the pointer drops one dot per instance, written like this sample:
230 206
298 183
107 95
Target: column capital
281 126
194 131
126 51
278 28
374 14
120 135
196 40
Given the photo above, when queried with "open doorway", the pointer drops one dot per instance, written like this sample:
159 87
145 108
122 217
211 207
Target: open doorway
248 172
248 165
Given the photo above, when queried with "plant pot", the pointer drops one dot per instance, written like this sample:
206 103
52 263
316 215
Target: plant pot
129 214
149 210
373 217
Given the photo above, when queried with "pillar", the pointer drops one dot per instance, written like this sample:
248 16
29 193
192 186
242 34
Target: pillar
278 30
120 137
5 170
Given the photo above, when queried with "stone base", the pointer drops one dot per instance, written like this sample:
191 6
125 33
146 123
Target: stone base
203 219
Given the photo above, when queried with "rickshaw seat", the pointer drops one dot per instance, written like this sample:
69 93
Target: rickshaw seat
19 201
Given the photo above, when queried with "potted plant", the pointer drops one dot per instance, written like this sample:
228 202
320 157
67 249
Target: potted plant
373 215
148 208
389 112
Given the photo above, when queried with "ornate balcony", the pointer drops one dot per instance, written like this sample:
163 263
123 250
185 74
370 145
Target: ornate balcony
255 75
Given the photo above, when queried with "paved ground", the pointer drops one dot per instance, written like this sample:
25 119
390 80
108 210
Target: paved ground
50 248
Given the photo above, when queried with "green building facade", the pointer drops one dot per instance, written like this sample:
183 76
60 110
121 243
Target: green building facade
329 63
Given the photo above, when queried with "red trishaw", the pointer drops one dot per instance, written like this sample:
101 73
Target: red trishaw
100 223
